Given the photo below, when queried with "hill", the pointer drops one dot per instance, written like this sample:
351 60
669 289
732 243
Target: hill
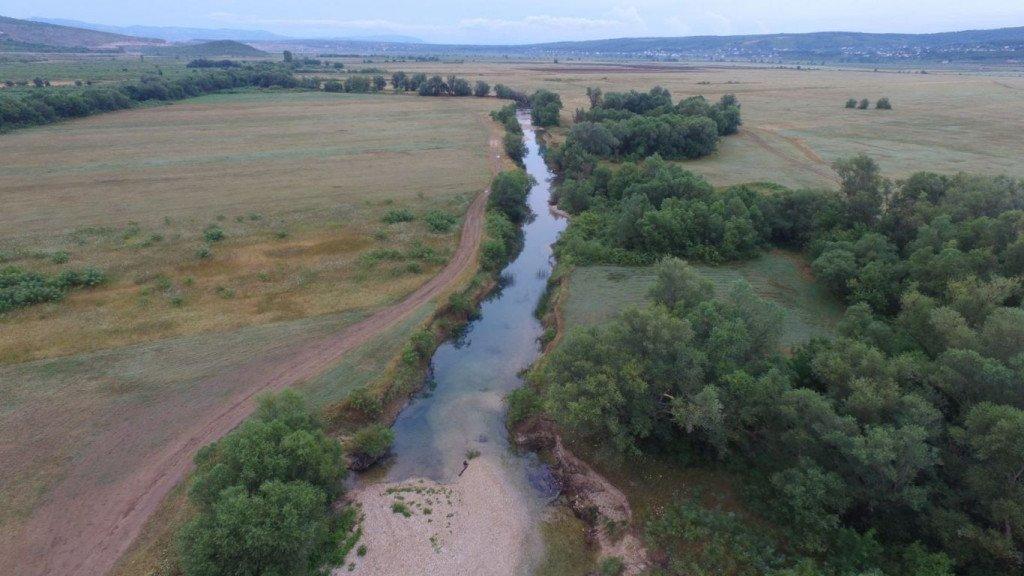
997 45
169 33
26 32
205 49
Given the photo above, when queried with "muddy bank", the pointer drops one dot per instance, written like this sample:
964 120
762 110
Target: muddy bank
590 496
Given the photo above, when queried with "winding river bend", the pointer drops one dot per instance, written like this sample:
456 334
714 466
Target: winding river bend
461 409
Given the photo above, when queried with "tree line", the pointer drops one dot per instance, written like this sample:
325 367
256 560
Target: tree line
894 448
47 105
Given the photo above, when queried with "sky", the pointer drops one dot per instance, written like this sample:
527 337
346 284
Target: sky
527 21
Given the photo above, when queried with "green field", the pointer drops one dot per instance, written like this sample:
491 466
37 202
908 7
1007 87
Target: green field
597 293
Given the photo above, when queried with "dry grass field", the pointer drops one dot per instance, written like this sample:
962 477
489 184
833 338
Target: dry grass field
795 123
95 386
298 182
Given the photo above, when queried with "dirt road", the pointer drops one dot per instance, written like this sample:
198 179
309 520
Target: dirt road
83 529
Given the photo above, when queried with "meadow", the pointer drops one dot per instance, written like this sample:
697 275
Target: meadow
236 230
296 183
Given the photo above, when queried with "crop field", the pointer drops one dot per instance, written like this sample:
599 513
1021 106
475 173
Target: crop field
597 293
298 183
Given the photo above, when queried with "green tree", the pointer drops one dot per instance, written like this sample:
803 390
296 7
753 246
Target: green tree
509 190
481 89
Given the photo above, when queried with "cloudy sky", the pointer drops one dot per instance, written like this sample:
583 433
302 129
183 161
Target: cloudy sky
523 21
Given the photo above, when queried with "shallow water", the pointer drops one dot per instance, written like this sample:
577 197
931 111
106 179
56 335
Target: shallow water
462 406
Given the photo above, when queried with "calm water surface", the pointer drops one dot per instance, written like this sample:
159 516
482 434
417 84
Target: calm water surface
462 406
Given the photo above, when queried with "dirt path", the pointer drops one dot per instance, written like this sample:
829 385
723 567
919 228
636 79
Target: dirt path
83 529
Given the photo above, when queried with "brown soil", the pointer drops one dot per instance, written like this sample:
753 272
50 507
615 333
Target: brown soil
592 498
72 535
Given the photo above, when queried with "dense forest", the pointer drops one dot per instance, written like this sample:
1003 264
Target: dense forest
895 448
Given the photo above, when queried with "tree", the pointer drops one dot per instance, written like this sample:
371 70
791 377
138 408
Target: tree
594 96
851 103
678 286
398 81
379 83
594 138
864 104
545 107
288 56
883 104
481 89
515 147
863 186
509 190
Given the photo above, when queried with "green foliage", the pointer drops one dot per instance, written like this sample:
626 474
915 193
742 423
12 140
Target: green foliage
612 566
522 403
439 221
213 233
52 104
19 287
509 190
398 215
515 147
371 442
851 103
481 89
401 508
263 493
883 104
545 107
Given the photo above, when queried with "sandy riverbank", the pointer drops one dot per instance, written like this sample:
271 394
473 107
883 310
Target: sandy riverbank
477 525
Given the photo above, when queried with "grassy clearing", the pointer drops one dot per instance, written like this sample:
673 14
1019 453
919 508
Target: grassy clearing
598 293
297 182
566 552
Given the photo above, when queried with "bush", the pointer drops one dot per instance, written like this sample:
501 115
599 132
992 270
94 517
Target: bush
851 103
481 89
883 104
612 566
396 216
522 403
864 104
368 445
439 221
213 233
545 107
19 288
515 147
509 191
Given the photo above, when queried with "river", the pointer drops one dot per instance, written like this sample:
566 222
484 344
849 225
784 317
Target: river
461 408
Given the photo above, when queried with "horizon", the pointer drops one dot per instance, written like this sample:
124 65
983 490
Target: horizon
533 22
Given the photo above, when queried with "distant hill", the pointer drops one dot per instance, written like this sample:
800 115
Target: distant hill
170 33
25 32
998 45
205 50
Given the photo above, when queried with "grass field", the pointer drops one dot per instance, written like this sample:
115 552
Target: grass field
795 124
298 182
597 293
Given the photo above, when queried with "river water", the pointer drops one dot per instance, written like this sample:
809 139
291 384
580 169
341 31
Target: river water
462 406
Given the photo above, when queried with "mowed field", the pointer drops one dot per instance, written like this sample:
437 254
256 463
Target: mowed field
795 123
99 389
298 182
598 293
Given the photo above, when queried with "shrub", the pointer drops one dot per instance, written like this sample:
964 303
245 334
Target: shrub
509 190
401 508
851 103
515 147
545 107
396 216
883 104
213 233
439 221
369 445
204 252
481 89
864 104
522 403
